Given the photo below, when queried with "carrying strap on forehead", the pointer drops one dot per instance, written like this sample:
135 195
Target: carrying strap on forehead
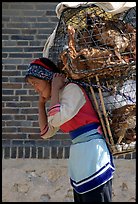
39 72
42 68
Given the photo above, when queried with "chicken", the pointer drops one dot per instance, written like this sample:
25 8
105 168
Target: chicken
123 123
117 35
87 59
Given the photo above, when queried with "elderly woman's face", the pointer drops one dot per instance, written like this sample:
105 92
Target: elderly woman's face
41 86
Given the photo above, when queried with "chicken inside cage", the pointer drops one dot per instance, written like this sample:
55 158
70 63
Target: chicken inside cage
92 41
92 44
120 103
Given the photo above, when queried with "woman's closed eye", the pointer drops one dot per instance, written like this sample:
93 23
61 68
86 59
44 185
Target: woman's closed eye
34 84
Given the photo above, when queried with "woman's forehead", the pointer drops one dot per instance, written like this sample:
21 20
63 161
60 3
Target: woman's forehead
32 79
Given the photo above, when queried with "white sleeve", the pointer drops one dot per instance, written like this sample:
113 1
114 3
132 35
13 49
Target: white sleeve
49 131
71 101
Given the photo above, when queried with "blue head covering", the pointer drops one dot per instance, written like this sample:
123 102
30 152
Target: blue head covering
42 68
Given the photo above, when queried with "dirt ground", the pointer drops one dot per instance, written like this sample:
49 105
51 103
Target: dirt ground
39 180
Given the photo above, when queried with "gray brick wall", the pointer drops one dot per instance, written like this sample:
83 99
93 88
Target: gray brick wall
25 28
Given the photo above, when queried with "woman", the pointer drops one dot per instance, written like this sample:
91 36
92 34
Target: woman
90 162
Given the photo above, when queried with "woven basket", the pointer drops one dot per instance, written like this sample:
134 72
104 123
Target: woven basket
99 49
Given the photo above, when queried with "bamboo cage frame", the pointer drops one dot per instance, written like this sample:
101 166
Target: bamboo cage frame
106 125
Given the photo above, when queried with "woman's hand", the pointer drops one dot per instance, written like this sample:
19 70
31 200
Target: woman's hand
42 100
58 81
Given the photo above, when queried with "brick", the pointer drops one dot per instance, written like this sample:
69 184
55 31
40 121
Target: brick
18 123
10 12
13 152
11 73
5 18
21 6
40 152
21 67
42 19
42 37
54 152
33 49
45 6
6 143
4 79
34 43
19 25
8 129
54 143
66 143
7 92
15 135
34 135
5 5
16 143
21 92
5 37
16 104
29 31
33 152
44 31
22 19
35 124
11 86
10 111
9 43
4 55
31 117
30 143
27 152
9 67
66 149
19 117
50 13
6 153
32 13
20 55
22 37
22 43
29 98
28 129
17 79
20 152
27 62
37 55
46 154
60 153
7 117
12 49
11 31
12 61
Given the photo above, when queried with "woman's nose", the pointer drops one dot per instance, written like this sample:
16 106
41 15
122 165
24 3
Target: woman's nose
37 90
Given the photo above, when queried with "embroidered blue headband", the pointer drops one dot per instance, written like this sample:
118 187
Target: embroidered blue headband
39 72
42 68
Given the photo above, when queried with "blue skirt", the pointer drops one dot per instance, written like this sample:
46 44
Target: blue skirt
90 161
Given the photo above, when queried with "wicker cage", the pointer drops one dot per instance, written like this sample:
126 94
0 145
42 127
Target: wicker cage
99 49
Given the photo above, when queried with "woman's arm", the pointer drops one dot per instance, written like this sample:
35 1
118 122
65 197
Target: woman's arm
46 129
58 82
42 116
